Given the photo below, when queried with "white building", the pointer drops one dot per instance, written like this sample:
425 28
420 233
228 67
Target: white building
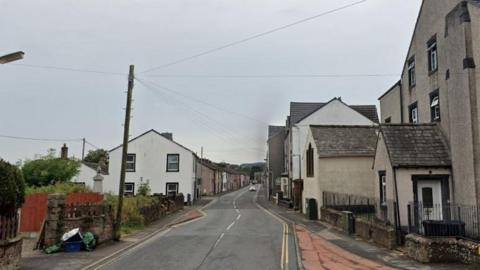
87 172
154 157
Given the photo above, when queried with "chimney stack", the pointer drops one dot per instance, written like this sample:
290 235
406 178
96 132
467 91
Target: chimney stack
64 153
167 135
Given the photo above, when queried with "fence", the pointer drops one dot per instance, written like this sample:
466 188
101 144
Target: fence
8 226
444 220
34 210
348 202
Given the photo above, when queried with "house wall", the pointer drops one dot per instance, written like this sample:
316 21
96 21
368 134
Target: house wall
404 183
333 113
208 179
275 159
85 175
352 175
457 39
151 151
390 105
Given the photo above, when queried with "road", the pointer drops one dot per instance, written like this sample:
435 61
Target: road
235 234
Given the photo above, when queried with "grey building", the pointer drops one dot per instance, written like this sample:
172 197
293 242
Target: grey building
275 158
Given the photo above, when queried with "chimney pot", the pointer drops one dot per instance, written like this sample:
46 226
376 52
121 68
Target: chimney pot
64 153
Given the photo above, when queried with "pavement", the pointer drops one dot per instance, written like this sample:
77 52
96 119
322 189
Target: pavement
323 247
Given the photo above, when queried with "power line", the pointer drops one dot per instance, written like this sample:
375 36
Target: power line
69 69
92 145
275 76
208 104
38 139
181 60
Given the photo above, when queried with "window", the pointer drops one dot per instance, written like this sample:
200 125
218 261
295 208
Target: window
172 189
383 187
413 113
411 72
432 55
310 162
131 160
427 197
129 189
388 120
173 161
435 106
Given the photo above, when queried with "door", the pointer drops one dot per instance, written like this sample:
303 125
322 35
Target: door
430 199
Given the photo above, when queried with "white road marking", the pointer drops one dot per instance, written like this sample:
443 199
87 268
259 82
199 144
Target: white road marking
218 240
230 226
238 217
238 211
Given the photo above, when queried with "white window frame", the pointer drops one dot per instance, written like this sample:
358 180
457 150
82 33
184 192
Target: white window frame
177 163
414 112
432 56
168 190
435 106
412 80
383 189
134 162
127 191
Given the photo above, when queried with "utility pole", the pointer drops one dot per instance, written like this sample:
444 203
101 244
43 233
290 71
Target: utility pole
126 127
83 148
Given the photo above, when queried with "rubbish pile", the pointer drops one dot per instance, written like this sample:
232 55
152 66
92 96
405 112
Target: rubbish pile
74 241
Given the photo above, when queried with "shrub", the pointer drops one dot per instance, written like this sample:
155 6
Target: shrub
131 217
144 188
58 188
12 187
49 170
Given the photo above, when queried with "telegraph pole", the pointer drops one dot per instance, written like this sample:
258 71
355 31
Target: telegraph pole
126 127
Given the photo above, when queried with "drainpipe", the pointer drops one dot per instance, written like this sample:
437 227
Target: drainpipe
397 218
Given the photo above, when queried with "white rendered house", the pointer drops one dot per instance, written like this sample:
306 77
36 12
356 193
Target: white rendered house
168 166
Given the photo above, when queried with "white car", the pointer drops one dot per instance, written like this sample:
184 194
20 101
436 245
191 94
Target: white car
252 188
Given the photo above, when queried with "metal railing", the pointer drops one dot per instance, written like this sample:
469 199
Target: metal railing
440 220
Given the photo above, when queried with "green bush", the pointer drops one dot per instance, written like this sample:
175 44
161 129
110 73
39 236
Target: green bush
59 188
144 188
12 187
131 218
49 170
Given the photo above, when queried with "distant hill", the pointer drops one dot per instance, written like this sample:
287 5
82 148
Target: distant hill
253 164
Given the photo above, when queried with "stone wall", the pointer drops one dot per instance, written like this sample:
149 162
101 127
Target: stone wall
334 217
10 254
383 235
95 218
442 250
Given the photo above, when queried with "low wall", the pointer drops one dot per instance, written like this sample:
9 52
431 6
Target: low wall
95 218
334 217
442 250
380 234
10 254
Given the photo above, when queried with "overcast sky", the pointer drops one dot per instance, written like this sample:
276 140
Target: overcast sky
212 101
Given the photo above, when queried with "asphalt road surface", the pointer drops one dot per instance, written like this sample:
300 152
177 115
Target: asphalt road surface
235 234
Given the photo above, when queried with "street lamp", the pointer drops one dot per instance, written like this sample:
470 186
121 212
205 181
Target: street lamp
11 57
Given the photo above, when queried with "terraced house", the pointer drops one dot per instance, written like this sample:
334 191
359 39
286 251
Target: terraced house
428 153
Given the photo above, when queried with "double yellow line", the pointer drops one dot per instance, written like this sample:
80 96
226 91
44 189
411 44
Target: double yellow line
284 256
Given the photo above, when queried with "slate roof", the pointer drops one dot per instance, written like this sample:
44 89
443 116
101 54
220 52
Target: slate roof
345 141
300 110
416 145
274 130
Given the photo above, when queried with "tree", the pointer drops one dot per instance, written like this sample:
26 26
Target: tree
95 156
49 170
12 187
144 188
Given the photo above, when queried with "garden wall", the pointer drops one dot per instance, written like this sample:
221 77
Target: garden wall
442 250
34 210
380 234
334 217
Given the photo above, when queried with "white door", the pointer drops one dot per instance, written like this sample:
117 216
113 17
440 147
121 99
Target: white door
430 199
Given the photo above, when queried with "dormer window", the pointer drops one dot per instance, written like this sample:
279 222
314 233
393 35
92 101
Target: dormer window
432 53
412 80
